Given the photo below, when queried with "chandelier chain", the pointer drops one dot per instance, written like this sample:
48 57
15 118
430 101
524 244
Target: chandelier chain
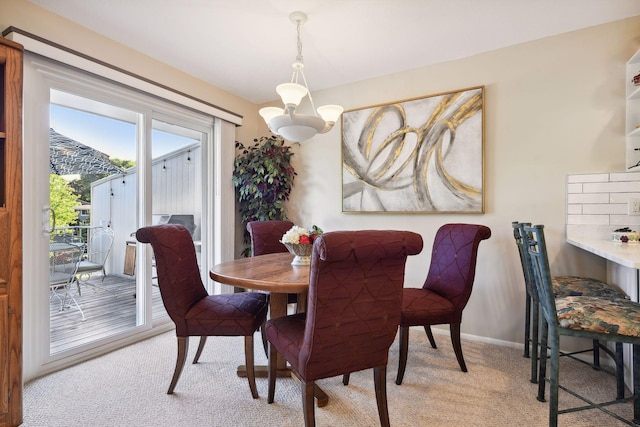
298 67
299 57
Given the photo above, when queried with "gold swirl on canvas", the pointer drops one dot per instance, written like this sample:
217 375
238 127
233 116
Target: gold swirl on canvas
392 156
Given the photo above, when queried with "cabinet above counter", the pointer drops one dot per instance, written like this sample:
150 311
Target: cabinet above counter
632 126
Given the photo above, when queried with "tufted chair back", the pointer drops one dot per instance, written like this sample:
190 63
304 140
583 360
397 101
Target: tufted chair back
355 298
192 309
355 294
178 273
453 262
266 235
446 290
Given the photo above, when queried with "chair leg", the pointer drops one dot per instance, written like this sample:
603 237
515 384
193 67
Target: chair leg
457 346
345 379
544 337
250 365
432 341
301 302
380 383
636 383
404 349
619 371
527 325
265 344
596 354
553 380
183 348
203 341
273 356
535 324
308 404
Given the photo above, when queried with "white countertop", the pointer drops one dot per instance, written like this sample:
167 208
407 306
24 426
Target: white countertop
626 254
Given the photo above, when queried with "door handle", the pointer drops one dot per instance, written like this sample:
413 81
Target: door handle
48 220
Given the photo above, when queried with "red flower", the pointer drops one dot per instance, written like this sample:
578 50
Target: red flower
305 240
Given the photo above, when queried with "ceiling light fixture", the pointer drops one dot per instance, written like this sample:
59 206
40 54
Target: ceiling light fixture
286 122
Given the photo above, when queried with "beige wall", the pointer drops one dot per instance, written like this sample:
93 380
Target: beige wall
552 107
33 19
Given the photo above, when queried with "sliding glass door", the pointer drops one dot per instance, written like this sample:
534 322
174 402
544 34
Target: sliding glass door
92 196
117 161
176 184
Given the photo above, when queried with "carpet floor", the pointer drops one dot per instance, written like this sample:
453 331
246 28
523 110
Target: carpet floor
128 388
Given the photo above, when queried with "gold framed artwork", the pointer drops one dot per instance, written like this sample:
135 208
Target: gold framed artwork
422 155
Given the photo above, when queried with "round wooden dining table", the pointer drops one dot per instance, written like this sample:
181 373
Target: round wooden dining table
272 273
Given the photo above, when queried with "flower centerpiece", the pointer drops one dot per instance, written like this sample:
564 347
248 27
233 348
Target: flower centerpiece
299 242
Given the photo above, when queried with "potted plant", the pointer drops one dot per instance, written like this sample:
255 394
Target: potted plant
263 178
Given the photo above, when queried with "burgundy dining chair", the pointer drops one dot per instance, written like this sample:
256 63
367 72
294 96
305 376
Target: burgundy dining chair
446 290
353 312
192 309
265 239
265 236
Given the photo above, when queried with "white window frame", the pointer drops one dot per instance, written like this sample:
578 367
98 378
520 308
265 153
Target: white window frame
41 75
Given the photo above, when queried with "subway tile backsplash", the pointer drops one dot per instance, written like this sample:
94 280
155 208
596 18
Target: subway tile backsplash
601 199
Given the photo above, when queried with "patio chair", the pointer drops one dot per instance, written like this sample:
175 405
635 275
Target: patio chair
97 253
63 265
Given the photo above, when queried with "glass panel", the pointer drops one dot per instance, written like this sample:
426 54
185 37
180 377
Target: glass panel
176 183
92 149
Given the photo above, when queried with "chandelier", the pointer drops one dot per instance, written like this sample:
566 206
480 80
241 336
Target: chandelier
287 122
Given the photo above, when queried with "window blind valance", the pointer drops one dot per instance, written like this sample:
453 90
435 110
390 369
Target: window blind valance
49 49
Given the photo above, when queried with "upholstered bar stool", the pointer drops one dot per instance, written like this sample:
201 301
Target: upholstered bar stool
599 319
563 286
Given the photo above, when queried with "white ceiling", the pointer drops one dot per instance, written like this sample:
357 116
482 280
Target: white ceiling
247 46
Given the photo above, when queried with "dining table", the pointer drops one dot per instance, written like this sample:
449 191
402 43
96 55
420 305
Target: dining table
272 273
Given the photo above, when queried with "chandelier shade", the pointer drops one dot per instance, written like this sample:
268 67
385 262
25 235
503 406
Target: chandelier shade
268 113
330 113
291 93
289 123
298 127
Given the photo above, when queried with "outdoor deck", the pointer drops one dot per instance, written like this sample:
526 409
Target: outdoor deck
107 311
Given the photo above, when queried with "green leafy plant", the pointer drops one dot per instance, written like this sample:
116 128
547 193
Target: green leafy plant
62 200
263 178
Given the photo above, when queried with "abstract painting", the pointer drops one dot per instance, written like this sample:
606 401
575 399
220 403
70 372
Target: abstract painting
423 155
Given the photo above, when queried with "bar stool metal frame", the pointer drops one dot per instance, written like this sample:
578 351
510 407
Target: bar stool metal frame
532 312
552 329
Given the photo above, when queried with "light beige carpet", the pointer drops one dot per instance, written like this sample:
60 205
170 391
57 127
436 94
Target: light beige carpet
128 388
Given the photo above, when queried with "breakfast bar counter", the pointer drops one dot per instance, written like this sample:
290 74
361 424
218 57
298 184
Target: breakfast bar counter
623 261
624 254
